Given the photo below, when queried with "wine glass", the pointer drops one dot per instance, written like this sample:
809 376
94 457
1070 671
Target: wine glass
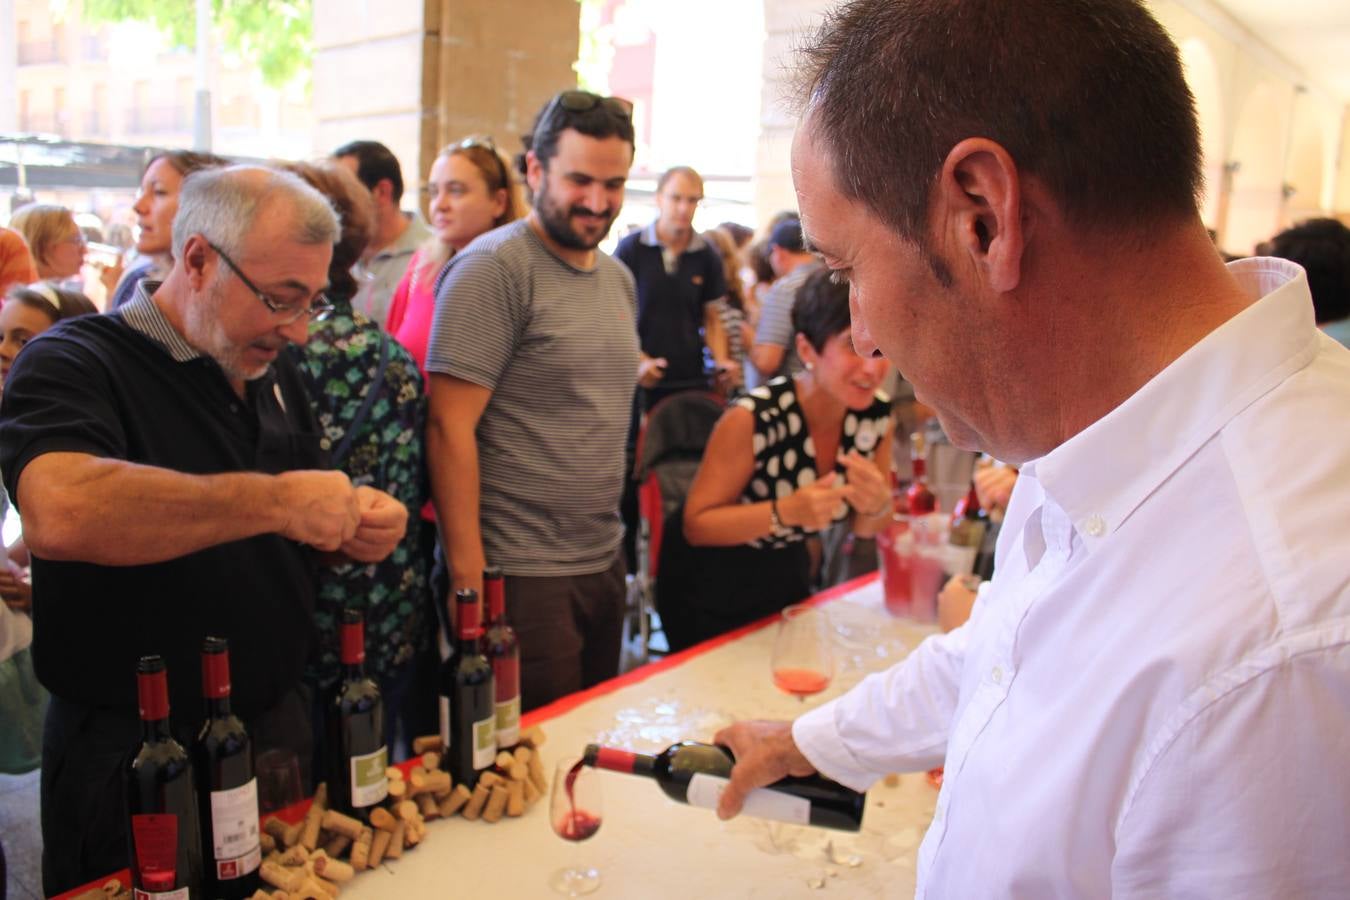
575 813
803 660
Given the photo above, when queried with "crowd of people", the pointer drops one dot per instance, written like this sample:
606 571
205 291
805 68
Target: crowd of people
302 398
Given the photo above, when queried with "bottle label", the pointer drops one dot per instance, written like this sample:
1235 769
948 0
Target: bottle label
445 724
180 894
234 830
155 839
370 784
508 722
484 742
705 790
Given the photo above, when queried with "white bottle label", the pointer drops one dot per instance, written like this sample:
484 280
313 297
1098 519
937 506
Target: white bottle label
445 724
370 784
234 830
508 722
484 742
706 790
180 894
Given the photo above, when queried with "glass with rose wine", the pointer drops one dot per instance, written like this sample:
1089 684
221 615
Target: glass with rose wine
575 812
803 658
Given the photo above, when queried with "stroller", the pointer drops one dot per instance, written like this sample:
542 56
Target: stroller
669 450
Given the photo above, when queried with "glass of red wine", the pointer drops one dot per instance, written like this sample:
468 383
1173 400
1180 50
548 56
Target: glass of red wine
803 658
575 812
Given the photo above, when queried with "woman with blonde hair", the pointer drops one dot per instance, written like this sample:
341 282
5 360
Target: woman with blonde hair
469 191
56 242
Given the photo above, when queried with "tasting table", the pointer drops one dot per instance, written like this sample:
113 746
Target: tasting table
652 847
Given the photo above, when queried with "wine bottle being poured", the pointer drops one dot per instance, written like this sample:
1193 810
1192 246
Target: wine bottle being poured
697 774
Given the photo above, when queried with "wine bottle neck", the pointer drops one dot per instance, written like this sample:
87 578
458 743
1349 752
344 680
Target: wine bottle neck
621 760
353 671
218 707
154 731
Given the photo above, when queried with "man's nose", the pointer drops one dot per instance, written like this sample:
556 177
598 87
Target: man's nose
296 332
863 344
596 198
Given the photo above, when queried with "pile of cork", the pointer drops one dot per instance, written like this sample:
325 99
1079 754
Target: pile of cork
303 861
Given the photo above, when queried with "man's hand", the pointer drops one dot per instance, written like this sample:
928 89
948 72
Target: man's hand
765 753
993 487
321 508
955 601
17 593
384 521
651 369
812 507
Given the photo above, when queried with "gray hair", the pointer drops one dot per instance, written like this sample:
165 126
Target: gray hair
222 205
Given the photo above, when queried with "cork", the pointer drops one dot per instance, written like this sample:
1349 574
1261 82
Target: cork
456 800
337 845
428 806
361 849
281 877
426 742
378 846
395 849
515 803
496 804
474 808
332 869
338 823
431 761
382 819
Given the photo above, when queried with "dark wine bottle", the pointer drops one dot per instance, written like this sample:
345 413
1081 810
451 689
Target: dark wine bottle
227 792
696 774
503 652
357 757
165 842
965 538
468 700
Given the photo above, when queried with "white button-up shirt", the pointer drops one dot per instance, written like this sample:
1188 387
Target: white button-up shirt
1152 698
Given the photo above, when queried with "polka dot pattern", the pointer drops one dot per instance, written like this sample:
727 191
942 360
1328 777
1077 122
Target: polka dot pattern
785 453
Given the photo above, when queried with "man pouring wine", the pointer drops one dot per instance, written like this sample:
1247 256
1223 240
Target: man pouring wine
1152 696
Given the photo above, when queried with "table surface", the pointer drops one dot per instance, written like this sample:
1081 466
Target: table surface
652 847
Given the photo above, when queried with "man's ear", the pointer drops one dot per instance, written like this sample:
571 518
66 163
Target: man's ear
198 262
534 171
383 191
979 195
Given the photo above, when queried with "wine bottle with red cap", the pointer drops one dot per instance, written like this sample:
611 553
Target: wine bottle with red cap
502 649
227 791
165 844
355 746
696 774
468 698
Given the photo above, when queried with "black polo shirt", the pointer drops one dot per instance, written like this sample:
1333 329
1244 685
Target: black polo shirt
671 300
98 385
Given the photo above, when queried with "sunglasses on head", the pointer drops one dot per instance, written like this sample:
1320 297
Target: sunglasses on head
485 142
584 101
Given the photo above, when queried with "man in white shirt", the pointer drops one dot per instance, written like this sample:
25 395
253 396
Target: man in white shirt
1152 698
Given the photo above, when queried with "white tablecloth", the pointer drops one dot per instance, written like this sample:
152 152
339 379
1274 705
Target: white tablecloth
652 847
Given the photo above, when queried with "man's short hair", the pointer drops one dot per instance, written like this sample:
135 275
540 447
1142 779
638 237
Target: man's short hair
601 120
221 205
788 235
686 171
1322 248
1088 96
374 162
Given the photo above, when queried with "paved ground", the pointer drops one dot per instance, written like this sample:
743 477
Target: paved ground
21 836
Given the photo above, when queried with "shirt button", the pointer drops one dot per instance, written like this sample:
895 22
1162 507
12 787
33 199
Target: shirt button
1095 526
996 675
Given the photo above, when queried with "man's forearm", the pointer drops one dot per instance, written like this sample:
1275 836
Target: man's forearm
117 513
452 452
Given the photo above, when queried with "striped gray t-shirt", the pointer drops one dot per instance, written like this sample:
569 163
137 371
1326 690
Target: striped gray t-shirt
558 347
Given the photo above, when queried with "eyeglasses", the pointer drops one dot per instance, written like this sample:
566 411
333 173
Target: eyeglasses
585 101
318 310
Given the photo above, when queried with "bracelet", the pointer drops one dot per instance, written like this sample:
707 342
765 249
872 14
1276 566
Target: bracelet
775 523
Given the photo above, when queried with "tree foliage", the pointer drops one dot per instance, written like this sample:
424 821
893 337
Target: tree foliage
274 35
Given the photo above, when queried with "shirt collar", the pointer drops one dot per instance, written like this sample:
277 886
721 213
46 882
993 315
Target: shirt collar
142 315
649 237
406 243
1101 475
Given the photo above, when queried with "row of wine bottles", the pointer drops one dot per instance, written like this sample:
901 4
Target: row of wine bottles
193 828
184 808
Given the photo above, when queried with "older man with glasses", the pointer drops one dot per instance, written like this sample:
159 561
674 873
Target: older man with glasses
168 469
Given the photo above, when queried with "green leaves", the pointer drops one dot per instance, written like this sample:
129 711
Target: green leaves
276 36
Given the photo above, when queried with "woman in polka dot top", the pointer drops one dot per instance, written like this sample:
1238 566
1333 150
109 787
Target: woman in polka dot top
785 461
